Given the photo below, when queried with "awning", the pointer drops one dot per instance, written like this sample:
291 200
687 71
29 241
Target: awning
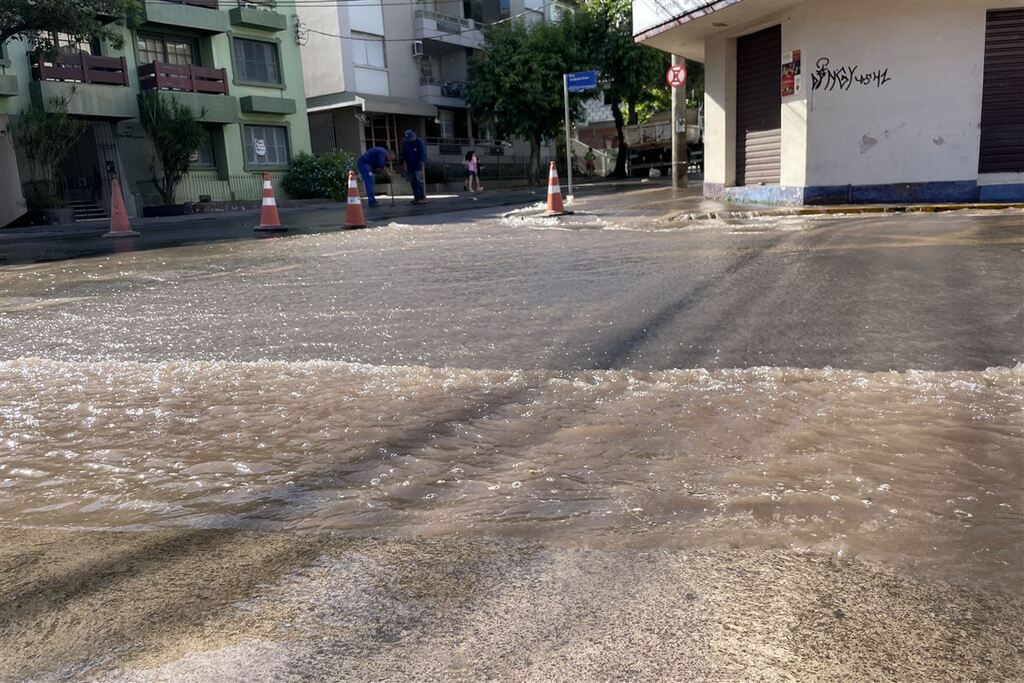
377 104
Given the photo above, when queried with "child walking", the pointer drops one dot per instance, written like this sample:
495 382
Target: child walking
472 171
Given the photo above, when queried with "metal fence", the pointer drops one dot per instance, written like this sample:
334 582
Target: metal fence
208 185
495 168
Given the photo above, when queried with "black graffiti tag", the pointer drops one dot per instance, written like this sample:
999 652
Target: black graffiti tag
827 77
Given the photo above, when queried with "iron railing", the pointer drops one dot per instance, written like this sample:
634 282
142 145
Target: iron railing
207 185
212 4
457 89
80 68
183 78
445 22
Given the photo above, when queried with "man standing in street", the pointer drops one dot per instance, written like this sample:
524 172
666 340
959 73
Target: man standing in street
414 156
373 159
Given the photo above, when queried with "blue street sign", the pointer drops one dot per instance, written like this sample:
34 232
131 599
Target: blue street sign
582 80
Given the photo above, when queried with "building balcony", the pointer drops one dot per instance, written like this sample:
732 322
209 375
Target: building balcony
200 15
202 89
443 93
448 31
91 85
258 14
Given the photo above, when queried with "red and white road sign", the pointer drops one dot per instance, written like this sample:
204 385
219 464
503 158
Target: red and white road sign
676 75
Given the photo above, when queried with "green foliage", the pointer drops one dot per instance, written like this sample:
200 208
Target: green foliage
81 20
177 133
628 68
311 177
45 139
634 73
515 81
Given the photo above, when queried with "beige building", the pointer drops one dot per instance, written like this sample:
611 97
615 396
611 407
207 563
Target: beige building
374 69
822 101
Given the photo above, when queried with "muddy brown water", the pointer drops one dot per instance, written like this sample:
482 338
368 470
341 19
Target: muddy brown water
437 380
917 469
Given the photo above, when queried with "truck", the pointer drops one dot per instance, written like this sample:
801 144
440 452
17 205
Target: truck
650 143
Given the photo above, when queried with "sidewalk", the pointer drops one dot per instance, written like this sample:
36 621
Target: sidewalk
58 242
648 199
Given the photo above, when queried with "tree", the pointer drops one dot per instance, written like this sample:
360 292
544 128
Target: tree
44 139
80 20
630 70
177 133
515 81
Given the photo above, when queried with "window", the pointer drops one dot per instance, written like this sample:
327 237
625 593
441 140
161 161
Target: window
204 156
368 52
256 61
447 124
65 44
430 68
266 145
166 49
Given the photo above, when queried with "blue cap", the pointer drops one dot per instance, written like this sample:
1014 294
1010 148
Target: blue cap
409 135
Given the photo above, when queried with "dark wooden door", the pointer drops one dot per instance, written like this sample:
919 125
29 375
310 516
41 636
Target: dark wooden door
759 107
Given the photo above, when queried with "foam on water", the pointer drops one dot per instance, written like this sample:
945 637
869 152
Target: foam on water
918 468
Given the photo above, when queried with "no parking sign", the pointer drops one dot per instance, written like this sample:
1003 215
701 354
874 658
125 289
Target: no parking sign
676 75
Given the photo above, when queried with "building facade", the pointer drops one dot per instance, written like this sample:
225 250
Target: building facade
237 65
813 101
374 69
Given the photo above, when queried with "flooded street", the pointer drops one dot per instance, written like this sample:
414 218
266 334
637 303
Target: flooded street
891 466
809 389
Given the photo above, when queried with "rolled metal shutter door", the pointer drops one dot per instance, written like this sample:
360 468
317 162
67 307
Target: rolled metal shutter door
1002 100
759 107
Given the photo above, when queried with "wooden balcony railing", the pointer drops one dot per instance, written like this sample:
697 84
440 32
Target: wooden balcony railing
80 68
187 78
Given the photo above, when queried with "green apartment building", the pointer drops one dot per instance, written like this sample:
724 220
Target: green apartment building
234 61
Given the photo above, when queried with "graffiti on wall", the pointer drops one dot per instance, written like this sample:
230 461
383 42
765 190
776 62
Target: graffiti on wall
828 77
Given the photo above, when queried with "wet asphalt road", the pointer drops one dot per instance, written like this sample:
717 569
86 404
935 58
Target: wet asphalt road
612 287
616 286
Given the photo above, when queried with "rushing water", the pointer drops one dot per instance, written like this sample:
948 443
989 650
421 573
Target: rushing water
520 378
917 468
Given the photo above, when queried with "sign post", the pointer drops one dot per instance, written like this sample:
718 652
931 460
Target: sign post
579 81
676 78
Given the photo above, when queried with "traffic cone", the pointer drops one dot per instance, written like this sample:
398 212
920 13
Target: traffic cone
269 218
354 217
555 207
119 225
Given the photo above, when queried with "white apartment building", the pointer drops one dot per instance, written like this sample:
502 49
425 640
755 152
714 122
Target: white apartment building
375 68
831 101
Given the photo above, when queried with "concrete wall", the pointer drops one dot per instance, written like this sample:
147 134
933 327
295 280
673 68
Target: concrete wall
324 57
12 203
911 115
403 70
918 119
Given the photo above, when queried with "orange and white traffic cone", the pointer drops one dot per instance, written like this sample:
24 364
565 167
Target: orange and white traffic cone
119 225
555 206
354 217
270 220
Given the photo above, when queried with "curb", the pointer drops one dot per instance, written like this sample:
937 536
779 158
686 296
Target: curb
845 210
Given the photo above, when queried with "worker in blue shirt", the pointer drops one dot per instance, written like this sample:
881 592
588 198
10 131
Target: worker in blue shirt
414 157
373 159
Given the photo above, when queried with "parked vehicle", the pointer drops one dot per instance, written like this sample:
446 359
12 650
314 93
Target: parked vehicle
650 143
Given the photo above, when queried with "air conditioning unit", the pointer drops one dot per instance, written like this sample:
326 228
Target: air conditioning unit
417 48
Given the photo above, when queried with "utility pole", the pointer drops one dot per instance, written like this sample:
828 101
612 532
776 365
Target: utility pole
568 134
680 154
